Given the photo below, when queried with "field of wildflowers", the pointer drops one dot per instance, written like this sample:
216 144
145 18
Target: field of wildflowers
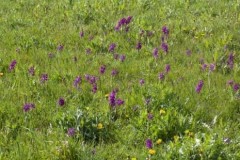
106 80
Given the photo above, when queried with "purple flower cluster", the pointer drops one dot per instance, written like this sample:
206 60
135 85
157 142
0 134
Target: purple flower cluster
230 61
155 52
149 143
119 57
161 76
188 52
150 116
102 69
31 71
81 34
77 81
60 47
204 66
88 51
112 47
114 72
94 88
139 46
167 68
113 101
141 82
44 78
164 47
93 81
165 31
12 65
71 132
61 101
199 86
28 106
123 22
211 66
235 86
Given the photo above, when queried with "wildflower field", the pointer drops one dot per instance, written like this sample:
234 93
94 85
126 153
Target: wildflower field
118 80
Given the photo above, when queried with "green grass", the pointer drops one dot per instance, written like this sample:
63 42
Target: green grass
31 30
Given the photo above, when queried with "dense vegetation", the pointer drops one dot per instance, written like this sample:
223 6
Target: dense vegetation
119 79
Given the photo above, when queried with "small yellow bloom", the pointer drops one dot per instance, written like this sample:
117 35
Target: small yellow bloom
134 158
106 95
162 112
176 138
186 132
151 151
159 141
1 74
100 126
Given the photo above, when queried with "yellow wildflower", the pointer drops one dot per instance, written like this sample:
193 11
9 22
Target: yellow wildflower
106 95
176 138
162 111
1 74
159 141
186 132
151 151
100 126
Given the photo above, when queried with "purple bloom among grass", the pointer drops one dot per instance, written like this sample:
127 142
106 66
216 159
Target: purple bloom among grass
50 55
165 30
119 102
28 106
230 61
93 80
61 102
155 52
188 52
167 68
112 47
94 88
71 132
199 86
122 57
77 81
60 47
230 82
204 66
161 76
102 69
147 101
212 67
150 116
112 99
164 47
128 20
236 87
81 34
114 72
44 78
31 71
12 65
116 56
149 143
141 82
88 51
139 46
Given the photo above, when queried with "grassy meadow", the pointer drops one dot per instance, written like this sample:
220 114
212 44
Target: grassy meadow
118 80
